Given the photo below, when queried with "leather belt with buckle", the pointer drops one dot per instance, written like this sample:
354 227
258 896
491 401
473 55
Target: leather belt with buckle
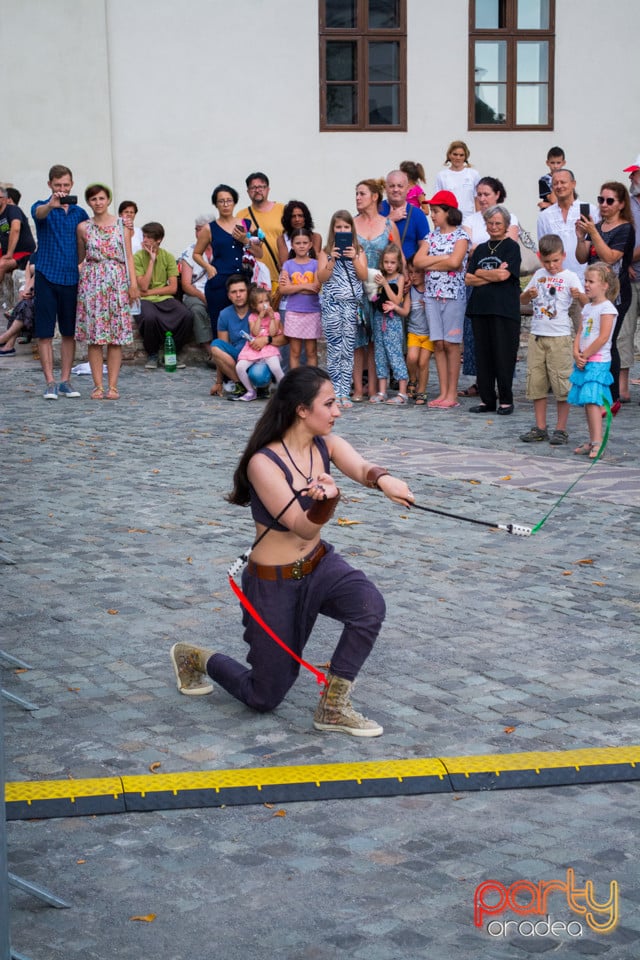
290 571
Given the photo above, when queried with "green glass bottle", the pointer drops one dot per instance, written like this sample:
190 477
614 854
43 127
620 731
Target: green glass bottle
170 358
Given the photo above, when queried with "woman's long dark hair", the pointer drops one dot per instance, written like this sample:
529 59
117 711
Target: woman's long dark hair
299 387
288 212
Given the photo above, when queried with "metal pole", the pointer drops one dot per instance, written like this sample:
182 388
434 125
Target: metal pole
5 943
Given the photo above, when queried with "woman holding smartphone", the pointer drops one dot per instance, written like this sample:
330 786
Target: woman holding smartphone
611 241
228 237
342 266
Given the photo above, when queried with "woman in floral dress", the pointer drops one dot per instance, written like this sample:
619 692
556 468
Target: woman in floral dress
106 290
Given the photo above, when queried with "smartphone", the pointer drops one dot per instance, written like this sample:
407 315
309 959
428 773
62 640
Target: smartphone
69 200
343 240
585 210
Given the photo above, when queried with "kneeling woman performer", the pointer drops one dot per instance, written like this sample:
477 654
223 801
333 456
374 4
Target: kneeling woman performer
293 575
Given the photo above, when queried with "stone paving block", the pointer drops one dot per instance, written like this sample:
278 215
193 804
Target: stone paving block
472 614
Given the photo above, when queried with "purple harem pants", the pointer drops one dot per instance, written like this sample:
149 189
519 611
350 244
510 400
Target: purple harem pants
290 608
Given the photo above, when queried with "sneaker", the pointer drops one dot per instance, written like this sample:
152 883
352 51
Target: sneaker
8 353
335 711
51 393
535 435
66 390
189 667
558 437
236 393
152 362
249 395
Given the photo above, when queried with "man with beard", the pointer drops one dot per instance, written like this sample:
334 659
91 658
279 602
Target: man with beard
411 222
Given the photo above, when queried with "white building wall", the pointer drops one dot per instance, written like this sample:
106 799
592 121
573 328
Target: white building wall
164 101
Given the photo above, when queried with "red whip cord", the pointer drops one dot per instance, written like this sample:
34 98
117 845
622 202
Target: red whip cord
251 610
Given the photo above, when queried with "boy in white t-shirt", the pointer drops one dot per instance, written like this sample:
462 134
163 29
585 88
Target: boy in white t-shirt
550 352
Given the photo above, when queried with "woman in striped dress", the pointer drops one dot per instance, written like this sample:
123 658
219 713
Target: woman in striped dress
341 272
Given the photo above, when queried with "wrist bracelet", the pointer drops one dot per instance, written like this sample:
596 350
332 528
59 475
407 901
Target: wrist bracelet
322 510
373 476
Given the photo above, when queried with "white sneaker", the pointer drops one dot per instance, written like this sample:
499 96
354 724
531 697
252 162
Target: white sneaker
51 393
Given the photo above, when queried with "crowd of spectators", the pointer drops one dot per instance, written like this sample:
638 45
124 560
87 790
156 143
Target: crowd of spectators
452 289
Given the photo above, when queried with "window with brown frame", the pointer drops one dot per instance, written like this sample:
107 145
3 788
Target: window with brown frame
363 65
511 64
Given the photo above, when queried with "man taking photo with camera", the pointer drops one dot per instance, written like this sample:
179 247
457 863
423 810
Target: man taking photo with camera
56 281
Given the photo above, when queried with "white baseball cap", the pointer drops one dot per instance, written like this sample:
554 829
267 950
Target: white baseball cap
634 166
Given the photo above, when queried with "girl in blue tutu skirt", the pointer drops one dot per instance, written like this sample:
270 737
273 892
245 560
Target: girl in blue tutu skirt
592 353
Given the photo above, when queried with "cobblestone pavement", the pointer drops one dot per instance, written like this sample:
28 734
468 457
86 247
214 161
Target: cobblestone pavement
114 514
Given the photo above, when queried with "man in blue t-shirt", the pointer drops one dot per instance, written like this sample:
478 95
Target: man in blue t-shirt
411 222
56 282
233 323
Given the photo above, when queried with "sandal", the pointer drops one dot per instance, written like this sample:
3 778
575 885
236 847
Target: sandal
471 391
97 393
112 394
434 403
411 389
594 453
357 398
345 403
378 398
421 399
399 400
584 450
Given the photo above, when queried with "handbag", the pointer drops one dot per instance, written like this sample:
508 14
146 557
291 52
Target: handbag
529 262
274 258
370 285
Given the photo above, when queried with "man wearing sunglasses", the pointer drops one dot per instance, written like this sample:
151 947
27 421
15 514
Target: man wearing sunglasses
561 218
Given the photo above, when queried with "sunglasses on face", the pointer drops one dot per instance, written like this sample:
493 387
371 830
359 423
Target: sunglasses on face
608 200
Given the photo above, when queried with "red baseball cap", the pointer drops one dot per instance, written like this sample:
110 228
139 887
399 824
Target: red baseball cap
634 166
443 198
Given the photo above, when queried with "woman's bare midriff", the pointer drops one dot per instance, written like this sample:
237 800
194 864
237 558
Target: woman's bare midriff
279 548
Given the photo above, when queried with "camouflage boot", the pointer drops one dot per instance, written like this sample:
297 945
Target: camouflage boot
190 668
335 712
